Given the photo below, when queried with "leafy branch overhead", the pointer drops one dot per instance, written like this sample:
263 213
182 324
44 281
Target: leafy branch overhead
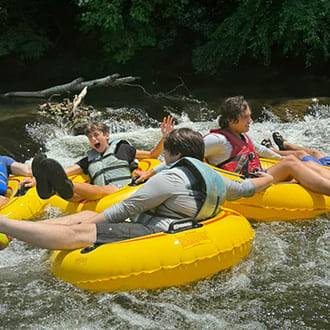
213 35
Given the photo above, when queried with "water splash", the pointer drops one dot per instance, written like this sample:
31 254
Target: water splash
283 283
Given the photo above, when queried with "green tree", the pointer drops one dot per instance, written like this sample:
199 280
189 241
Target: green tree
127 26
257 28
220 33
214 35
29 28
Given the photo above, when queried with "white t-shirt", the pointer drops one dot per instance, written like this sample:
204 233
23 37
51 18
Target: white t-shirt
218 149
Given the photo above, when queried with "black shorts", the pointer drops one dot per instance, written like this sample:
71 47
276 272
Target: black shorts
113 232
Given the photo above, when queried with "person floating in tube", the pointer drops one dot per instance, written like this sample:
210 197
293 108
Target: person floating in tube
230 148
181 190
108 166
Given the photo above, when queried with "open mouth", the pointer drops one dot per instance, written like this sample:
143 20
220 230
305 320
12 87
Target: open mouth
97 145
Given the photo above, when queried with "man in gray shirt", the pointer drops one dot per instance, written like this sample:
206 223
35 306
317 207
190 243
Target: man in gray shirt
175 193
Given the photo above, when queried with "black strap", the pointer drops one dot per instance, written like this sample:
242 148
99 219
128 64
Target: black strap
245 166
183 224
216 207
118 179
229 160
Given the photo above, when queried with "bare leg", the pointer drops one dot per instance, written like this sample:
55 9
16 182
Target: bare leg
298 153
86 191
73 219
53 237
325 173
292 168
315 153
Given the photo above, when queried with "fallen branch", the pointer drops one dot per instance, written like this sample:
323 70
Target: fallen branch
75 85
77 100
168 96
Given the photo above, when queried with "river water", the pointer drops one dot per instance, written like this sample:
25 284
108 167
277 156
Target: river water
282 284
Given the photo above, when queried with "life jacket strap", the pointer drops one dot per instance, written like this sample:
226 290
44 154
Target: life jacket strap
118 179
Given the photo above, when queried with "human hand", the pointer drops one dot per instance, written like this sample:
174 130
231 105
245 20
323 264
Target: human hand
262 174
143 176
167 126
28 182
262 181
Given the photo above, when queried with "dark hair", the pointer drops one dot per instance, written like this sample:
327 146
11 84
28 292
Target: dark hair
96 126
186 142
231 109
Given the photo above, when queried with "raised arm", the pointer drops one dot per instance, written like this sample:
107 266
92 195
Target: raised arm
166 127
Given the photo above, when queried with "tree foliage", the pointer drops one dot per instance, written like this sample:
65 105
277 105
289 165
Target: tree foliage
221 32
29 28
127 26
258 27
214 34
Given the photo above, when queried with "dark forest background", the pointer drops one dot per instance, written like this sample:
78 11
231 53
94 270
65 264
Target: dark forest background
43 43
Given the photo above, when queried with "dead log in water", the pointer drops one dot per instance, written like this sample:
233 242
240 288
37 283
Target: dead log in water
74 86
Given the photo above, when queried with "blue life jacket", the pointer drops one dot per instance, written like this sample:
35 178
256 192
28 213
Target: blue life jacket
3 179
210 184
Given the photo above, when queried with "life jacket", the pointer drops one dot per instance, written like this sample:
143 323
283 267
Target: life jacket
243 158
210 184
3 179
107 168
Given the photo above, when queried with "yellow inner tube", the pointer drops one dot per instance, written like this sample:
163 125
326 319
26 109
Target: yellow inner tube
159 260
280 202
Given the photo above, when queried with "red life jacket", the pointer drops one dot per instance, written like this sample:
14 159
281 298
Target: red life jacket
243 159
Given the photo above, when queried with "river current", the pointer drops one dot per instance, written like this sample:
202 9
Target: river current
282 284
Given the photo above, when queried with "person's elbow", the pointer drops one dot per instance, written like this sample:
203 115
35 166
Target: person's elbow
154 154
148 154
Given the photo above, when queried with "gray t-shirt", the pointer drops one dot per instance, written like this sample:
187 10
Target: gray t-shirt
168 196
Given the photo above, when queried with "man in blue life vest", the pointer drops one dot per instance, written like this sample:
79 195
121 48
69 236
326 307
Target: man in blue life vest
108 166
186 188
230 148
10 166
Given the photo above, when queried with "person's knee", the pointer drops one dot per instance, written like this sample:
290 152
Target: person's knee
291 161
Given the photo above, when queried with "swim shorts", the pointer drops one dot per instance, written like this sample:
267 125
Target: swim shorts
322 161
114 232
